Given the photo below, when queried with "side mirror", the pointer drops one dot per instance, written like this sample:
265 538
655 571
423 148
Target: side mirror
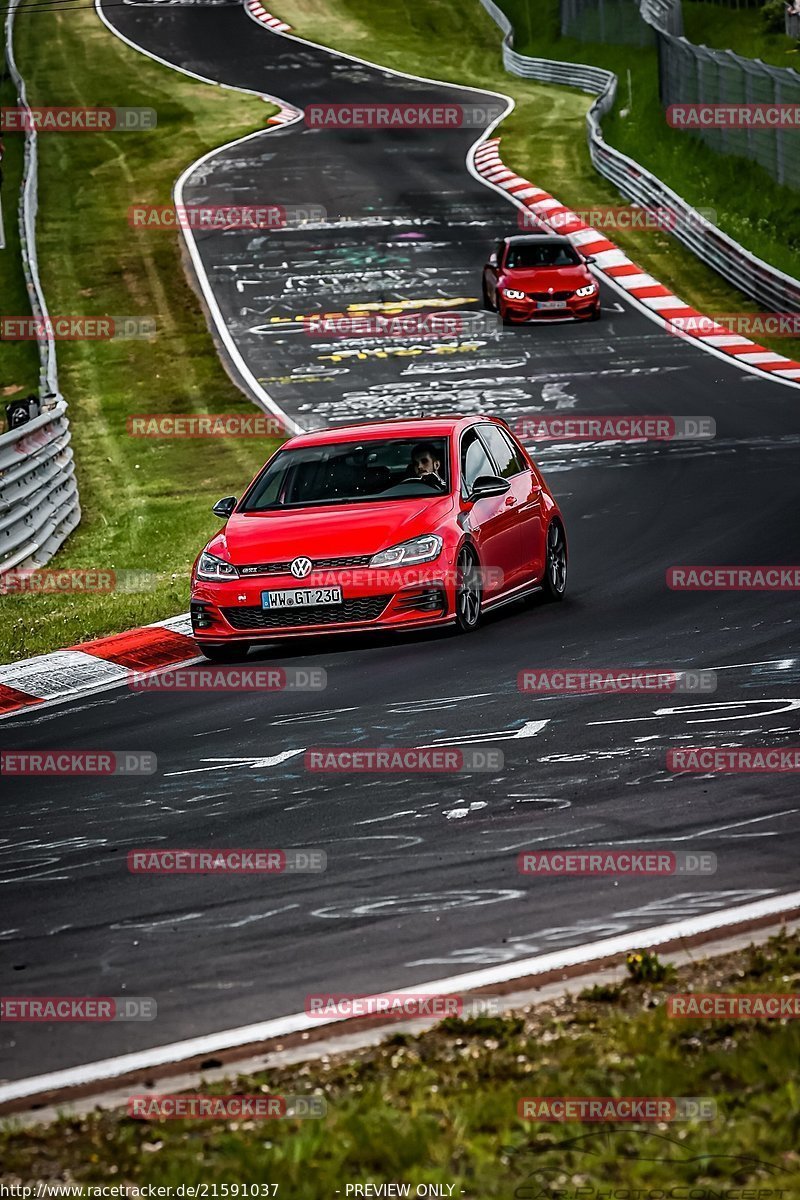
588 258
224 507
492 260
489 485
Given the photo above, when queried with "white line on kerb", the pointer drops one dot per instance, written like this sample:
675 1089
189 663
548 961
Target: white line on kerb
262 1031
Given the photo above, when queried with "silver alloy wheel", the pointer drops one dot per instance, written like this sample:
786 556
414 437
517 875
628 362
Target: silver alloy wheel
556 560
468 591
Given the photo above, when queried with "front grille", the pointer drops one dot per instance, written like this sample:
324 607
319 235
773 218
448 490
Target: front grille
317 564
549 295
366 609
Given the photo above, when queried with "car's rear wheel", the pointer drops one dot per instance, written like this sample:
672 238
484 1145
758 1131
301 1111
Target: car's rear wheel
468 591
230 652
554 583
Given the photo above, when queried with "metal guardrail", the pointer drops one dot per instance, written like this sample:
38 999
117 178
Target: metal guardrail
38 494
765 284
39 503
664 15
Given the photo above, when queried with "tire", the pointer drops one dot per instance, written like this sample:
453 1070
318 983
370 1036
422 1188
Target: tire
231 652
596 314
554 582
487 304
468 591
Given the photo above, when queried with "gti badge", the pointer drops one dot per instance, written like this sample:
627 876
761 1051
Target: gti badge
301 567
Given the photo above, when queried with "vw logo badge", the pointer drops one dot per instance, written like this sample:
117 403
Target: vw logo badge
301 567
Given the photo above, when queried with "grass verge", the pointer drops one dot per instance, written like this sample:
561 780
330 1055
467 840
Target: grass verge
738 29
19 361
146 503
442 1108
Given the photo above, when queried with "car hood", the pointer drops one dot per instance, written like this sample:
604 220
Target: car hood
330 531
542 278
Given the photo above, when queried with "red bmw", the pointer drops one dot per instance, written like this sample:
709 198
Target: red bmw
540 277
392 525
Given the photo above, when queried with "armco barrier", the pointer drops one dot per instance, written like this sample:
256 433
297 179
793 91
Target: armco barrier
765 284
664 15
38 494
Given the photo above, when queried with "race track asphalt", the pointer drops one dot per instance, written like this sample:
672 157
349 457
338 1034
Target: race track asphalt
422 879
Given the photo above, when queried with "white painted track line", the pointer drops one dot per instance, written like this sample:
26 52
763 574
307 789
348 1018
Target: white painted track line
227 1039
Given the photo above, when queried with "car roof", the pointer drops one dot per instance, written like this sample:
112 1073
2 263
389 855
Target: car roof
517 239
416 427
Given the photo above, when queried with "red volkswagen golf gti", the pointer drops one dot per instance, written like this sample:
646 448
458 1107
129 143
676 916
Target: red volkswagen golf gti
391 525
540 277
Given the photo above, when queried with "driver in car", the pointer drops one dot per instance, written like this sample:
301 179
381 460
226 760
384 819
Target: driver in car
424 466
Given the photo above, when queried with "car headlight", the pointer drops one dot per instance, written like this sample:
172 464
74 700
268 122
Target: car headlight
513 294
211 567
423 549
589 290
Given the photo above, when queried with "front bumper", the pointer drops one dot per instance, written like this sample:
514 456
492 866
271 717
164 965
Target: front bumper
412 597
578 308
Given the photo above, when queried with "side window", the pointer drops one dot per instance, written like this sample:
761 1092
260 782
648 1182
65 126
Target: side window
503 451
474 459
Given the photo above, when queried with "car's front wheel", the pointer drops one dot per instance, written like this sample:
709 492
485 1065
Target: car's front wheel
554 583
468 591
230 652
487 300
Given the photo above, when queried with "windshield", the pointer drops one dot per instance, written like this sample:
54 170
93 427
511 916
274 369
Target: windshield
349 472
542 254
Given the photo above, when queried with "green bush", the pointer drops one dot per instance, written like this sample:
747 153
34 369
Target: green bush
773 16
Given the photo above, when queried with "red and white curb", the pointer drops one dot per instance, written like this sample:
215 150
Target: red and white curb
94 666
256 10
662 304
259 13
